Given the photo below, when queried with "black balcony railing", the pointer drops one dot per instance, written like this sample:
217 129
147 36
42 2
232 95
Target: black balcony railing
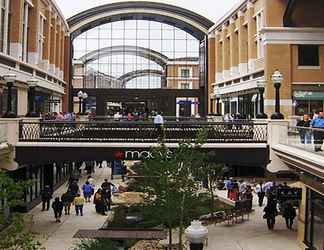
141 132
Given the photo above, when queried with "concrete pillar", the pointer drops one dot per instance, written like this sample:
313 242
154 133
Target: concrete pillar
218 57
16 28
252 45
242 44
52 58
33 33
211 68
233 48
58 49
277 134
47 42
22 102
226 54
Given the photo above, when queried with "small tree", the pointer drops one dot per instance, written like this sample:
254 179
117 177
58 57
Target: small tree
14 236
170 183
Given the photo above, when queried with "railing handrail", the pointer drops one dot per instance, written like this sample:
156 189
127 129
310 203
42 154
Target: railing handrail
125 122
306 128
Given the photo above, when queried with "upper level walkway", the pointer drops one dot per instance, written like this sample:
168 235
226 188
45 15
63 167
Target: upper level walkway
103 140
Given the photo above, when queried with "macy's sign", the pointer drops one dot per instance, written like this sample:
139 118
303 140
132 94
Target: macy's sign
136 155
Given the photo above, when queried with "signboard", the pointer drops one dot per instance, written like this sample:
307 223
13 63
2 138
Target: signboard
136 154
184 102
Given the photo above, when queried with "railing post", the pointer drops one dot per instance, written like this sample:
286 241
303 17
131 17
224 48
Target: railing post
277 134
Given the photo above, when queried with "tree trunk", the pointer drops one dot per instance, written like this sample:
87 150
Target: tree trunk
212 205
181 222
170 237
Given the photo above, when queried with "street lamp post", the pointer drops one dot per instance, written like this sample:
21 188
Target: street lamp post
32 83
9 79
261 86
277 79
84 97
196 234
80 96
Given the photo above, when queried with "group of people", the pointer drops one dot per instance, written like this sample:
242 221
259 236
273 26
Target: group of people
269 189
71 197
59 116
306 134
239 190
102 198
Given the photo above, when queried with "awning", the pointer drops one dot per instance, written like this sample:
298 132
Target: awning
308 95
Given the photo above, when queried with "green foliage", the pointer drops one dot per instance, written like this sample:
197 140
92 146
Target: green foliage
13 235
96 245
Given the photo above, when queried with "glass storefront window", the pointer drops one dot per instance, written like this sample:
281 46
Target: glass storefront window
307 107
314 236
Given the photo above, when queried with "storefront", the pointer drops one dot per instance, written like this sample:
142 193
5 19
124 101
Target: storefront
314 221
308 102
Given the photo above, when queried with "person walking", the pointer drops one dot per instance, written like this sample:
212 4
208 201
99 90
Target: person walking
99 202
106 192
78 203
57 206
87 191
304 131
158 123
248 195
289 213
270 213
74 187
67 199
260 193
46 196
318 124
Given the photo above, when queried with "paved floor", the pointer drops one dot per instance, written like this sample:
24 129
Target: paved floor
249 235
58 236
252 234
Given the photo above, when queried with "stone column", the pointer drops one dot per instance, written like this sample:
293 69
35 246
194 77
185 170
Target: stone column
233 48
62 52
52 45
47 42
16 28
58 49
242 44
211 68
218 57
252 46
33 21
226 54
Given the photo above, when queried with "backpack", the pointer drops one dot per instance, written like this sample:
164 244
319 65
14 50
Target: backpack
87 188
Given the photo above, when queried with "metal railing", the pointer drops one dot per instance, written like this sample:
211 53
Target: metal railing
3 132
309 139
144 132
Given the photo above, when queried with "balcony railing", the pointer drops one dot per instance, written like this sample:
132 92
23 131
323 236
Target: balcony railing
141 132
309 139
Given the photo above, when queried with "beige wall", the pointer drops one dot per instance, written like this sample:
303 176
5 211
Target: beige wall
307 75
22 96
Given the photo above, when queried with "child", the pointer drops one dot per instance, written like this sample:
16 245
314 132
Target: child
78 203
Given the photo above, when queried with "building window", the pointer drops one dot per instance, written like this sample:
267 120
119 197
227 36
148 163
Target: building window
4 23
314 220
25 33
308 55
41 38
185 73
185 85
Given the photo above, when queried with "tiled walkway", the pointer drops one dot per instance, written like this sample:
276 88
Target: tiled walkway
58 236
252 234
249 235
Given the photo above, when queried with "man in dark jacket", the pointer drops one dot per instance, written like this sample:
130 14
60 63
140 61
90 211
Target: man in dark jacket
106 192
46 195
289 214
67 199
57 206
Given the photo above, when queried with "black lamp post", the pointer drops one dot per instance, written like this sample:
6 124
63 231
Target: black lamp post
9 79
32 83
277 80
84 97
80 95
261 86
218 97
